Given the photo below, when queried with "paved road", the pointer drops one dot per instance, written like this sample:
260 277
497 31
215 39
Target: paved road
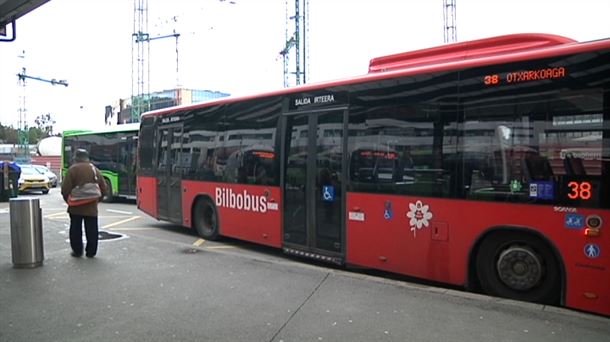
161 283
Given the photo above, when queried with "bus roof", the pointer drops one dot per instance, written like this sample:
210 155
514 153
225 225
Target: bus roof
467 50
488 51
107 129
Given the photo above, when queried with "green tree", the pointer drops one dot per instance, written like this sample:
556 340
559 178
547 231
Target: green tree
8 135
43 129
35 134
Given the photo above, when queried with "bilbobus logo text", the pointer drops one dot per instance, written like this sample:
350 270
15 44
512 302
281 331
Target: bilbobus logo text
227 198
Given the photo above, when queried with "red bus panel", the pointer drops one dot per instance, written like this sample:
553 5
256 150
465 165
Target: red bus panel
412 235
147 195
247 212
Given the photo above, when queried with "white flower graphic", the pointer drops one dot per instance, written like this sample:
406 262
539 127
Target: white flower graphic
419 216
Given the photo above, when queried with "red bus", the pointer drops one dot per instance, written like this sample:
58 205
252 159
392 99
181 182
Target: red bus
482 164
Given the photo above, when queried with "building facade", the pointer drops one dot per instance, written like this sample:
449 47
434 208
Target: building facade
123 111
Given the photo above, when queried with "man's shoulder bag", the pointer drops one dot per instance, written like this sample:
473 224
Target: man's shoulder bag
86 193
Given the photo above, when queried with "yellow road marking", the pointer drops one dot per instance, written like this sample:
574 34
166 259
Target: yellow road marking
200 242
121 222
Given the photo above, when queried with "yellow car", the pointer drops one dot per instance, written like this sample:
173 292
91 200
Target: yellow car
32 180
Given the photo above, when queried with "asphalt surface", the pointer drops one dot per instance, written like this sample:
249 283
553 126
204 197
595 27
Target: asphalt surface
161 283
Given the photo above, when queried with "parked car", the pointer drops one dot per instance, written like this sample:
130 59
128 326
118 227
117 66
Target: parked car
45 170
33 180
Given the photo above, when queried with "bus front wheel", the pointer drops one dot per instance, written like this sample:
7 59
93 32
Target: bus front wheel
205 219
518 266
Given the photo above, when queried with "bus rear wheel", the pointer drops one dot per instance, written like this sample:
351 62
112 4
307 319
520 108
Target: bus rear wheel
518 266
205 219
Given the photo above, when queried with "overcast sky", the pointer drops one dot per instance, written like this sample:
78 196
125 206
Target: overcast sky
235 48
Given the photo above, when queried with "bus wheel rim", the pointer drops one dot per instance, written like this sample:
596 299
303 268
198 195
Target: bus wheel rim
519 268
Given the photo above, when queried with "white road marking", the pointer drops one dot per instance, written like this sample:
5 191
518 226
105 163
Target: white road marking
120 211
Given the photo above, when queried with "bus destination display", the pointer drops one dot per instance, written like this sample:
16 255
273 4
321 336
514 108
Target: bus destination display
525 76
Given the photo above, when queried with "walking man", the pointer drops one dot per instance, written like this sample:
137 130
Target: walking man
79 174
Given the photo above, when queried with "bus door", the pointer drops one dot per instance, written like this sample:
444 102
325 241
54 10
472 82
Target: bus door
314 189
168 173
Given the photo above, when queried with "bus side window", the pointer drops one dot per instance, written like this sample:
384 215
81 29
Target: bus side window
162 162
537 167
574 166
260 174
192 167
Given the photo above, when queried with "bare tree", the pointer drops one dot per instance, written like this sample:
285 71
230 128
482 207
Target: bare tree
45 123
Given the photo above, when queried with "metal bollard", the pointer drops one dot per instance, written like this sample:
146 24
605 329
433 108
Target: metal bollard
26 232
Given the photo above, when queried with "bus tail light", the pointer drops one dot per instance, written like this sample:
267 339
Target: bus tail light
592 232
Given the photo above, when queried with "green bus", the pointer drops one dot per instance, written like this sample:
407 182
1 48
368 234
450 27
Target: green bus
112 150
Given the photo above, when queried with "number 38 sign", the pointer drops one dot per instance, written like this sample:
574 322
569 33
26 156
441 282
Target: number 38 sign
583 190
579 190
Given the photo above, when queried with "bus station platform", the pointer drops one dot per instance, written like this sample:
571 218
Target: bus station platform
152 283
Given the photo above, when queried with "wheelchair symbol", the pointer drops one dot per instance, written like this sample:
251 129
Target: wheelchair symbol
328 193
387 213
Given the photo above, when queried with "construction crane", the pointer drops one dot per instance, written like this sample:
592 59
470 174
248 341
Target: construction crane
140 64
22 77
24 144
450 29
297 41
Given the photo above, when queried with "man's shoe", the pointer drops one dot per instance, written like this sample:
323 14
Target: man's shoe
90 255
76 255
